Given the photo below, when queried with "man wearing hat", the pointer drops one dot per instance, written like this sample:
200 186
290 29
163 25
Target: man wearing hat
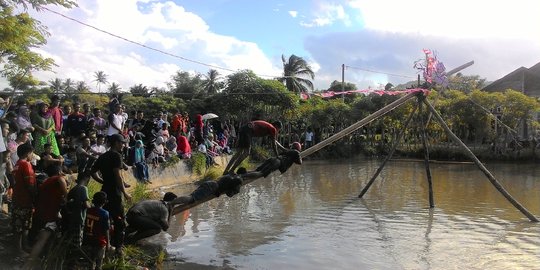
109 165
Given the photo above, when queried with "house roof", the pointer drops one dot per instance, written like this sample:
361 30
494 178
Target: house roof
525 80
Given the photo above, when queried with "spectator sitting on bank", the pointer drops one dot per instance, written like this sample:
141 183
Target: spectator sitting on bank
62 145
183 148
48 158
158 153
171 146
98 148
164 131
138 161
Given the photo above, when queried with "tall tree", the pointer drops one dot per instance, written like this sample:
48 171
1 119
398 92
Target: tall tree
19 33
69 85
100 78
186 86
211 83
114 88
56 85
140 90
294 69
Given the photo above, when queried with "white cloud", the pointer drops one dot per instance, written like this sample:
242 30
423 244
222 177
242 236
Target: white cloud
326 14
293 13
458 19
80 51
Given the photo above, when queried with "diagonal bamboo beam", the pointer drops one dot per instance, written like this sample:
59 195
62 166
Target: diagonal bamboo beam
389 156
471 155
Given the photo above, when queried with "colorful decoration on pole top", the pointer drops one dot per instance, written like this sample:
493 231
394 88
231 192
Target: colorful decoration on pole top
433 70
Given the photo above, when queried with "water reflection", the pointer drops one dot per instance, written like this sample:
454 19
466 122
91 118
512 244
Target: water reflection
310 218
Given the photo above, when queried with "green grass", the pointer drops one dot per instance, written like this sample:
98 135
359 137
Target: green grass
197 163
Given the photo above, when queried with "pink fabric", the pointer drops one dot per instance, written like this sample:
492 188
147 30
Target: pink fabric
367 92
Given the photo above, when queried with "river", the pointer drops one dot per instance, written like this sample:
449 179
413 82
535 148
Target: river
311 218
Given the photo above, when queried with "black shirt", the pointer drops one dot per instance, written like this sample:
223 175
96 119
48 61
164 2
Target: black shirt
105 165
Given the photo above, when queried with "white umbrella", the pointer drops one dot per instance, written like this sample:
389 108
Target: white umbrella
209 116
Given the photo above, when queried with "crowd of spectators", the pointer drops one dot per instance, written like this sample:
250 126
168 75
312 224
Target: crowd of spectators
42 142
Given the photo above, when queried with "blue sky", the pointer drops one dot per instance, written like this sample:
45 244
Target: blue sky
382 35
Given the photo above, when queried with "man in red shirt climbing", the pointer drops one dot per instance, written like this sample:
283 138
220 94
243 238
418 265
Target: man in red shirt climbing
257 128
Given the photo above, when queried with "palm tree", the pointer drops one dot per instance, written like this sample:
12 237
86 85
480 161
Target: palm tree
68 86
140 90
56 85
114 88
101 78
81 87
293 70
211 84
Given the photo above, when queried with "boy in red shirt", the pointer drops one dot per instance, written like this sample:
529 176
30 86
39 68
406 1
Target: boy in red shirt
24 193
96 230
257 128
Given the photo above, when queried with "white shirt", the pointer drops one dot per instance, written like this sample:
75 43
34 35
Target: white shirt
118 121
309 136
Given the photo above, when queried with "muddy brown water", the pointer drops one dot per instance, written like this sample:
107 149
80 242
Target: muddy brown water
311 218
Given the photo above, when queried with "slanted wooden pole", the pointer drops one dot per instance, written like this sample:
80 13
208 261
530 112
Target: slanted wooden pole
426 152
389 156
471 155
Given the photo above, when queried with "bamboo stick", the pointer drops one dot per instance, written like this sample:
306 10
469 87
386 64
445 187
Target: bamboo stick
389 156
426 154
491 178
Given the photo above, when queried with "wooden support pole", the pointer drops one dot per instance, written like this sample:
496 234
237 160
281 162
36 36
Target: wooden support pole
491 178
389 156
357 125
426 152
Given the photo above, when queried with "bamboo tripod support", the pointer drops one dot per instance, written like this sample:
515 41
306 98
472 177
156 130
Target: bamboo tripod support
481 166
389 156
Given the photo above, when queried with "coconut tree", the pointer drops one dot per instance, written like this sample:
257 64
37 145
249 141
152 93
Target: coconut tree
211 84
140 90
69 85
114 88
294 69
101 78
56 85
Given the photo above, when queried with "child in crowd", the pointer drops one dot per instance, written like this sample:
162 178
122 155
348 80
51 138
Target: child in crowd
96 230
24 193
75 214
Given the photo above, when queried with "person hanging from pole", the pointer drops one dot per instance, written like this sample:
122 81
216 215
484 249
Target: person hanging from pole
257 128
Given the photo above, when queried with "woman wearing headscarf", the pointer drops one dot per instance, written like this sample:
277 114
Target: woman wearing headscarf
140 169
199 126
23 120
43 125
